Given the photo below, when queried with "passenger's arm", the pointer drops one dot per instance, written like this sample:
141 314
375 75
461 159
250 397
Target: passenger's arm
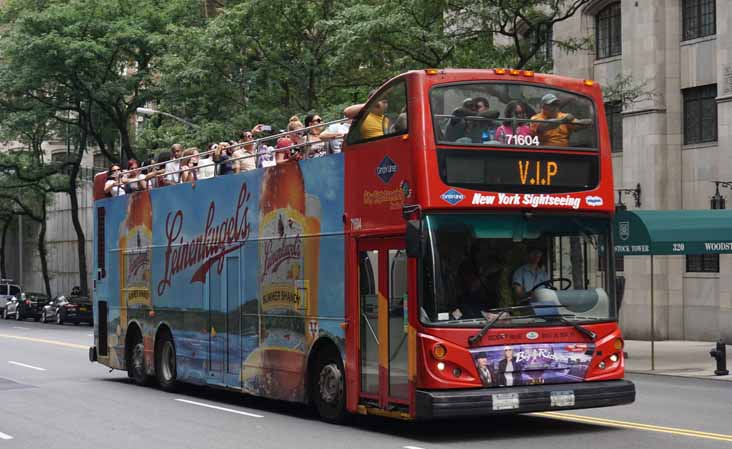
353 110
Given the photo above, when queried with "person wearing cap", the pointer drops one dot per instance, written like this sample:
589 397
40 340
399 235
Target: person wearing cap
553 126
528 276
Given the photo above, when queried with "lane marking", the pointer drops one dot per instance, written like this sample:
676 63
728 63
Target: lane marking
636 426
215 407
24 328
412 447
26 366
5 436
50 342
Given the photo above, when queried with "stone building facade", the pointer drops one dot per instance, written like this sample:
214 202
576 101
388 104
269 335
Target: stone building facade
673 140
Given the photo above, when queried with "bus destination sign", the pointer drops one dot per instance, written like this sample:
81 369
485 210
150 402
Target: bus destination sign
510 171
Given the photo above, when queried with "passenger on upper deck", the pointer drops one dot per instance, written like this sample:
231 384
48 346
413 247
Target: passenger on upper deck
375 124
516 110
319 147
172 168
473 122
114 186
556 126
248 162
134 179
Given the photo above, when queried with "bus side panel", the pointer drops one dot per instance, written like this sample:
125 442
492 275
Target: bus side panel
285 224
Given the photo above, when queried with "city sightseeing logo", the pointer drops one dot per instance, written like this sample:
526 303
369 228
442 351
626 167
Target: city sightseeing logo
386 169
452 196
206 249
594 201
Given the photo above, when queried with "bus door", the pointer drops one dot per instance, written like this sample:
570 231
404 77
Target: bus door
384 355
216 326
224 322
232 375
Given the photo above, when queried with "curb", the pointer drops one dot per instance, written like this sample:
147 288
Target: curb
680 376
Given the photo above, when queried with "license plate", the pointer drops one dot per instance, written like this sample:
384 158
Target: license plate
505 401
82 309
562 398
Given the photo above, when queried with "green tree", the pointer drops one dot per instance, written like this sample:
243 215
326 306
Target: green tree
90 56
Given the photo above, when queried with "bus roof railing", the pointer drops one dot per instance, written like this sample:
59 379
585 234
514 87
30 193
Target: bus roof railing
215 163
240 144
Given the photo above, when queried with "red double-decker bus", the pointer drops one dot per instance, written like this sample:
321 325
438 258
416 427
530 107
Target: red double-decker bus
454 260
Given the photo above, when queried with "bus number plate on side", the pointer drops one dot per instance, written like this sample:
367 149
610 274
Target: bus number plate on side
505 401
562 398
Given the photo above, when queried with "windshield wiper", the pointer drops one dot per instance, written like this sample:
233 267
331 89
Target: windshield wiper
501 312
582 330
472 340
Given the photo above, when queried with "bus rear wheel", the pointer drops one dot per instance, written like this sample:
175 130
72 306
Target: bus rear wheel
136 363
165 363
328 388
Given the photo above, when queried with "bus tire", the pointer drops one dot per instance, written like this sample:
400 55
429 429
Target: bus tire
328 387
165 362
136 362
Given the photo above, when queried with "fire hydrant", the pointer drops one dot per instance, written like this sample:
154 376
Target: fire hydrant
720 355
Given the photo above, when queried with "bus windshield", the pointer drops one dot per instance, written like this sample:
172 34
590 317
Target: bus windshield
512 115
532 265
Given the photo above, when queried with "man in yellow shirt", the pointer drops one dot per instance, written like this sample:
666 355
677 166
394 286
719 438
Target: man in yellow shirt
375 124
555 127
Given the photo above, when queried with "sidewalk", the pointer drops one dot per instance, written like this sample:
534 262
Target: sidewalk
675 358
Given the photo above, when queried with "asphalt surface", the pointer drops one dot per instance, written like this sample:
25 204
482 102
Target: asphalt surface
52 397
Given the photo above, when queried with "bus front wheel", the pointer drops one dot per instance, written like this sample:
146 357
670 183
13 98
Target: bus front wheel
165 364
328 388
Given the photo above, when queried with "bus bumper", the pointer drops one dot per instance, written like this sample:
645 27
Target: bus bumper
533 398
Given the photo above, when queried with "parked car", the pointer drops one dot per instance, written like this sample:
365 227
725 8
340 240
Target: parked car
68 309
7 290
26 305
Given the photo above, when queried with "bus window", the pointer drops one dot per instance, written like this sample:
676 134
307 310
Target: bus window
385 115
512 115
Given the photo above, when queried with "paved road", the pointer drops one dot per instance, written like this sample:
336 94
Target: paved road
52 397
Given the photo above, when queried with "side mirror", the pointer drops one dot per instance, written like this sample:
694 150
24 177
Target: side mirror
619 290
415 240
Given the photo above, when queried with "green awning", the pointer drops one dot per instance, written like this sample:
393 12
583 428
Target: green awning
667 232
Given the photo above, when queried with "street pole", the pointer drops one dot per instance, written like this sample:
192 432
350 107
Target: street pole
20 251
653 331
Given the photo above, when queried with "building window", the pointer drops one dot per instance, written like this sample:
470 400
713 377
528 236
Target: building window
700 114
607 32
702 263
699 18
542 37
613 111
59 157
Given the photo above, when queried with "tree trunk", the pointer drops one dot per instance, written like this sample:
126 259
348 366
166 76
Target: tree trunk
126 153
42 252
73 197
6 226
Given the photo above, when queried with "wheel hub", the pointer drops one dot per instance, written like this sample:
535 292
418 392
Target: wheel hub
168 359
331 383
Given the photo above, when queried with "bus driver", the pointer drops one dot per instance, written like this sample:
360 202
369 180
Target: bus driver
528 276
